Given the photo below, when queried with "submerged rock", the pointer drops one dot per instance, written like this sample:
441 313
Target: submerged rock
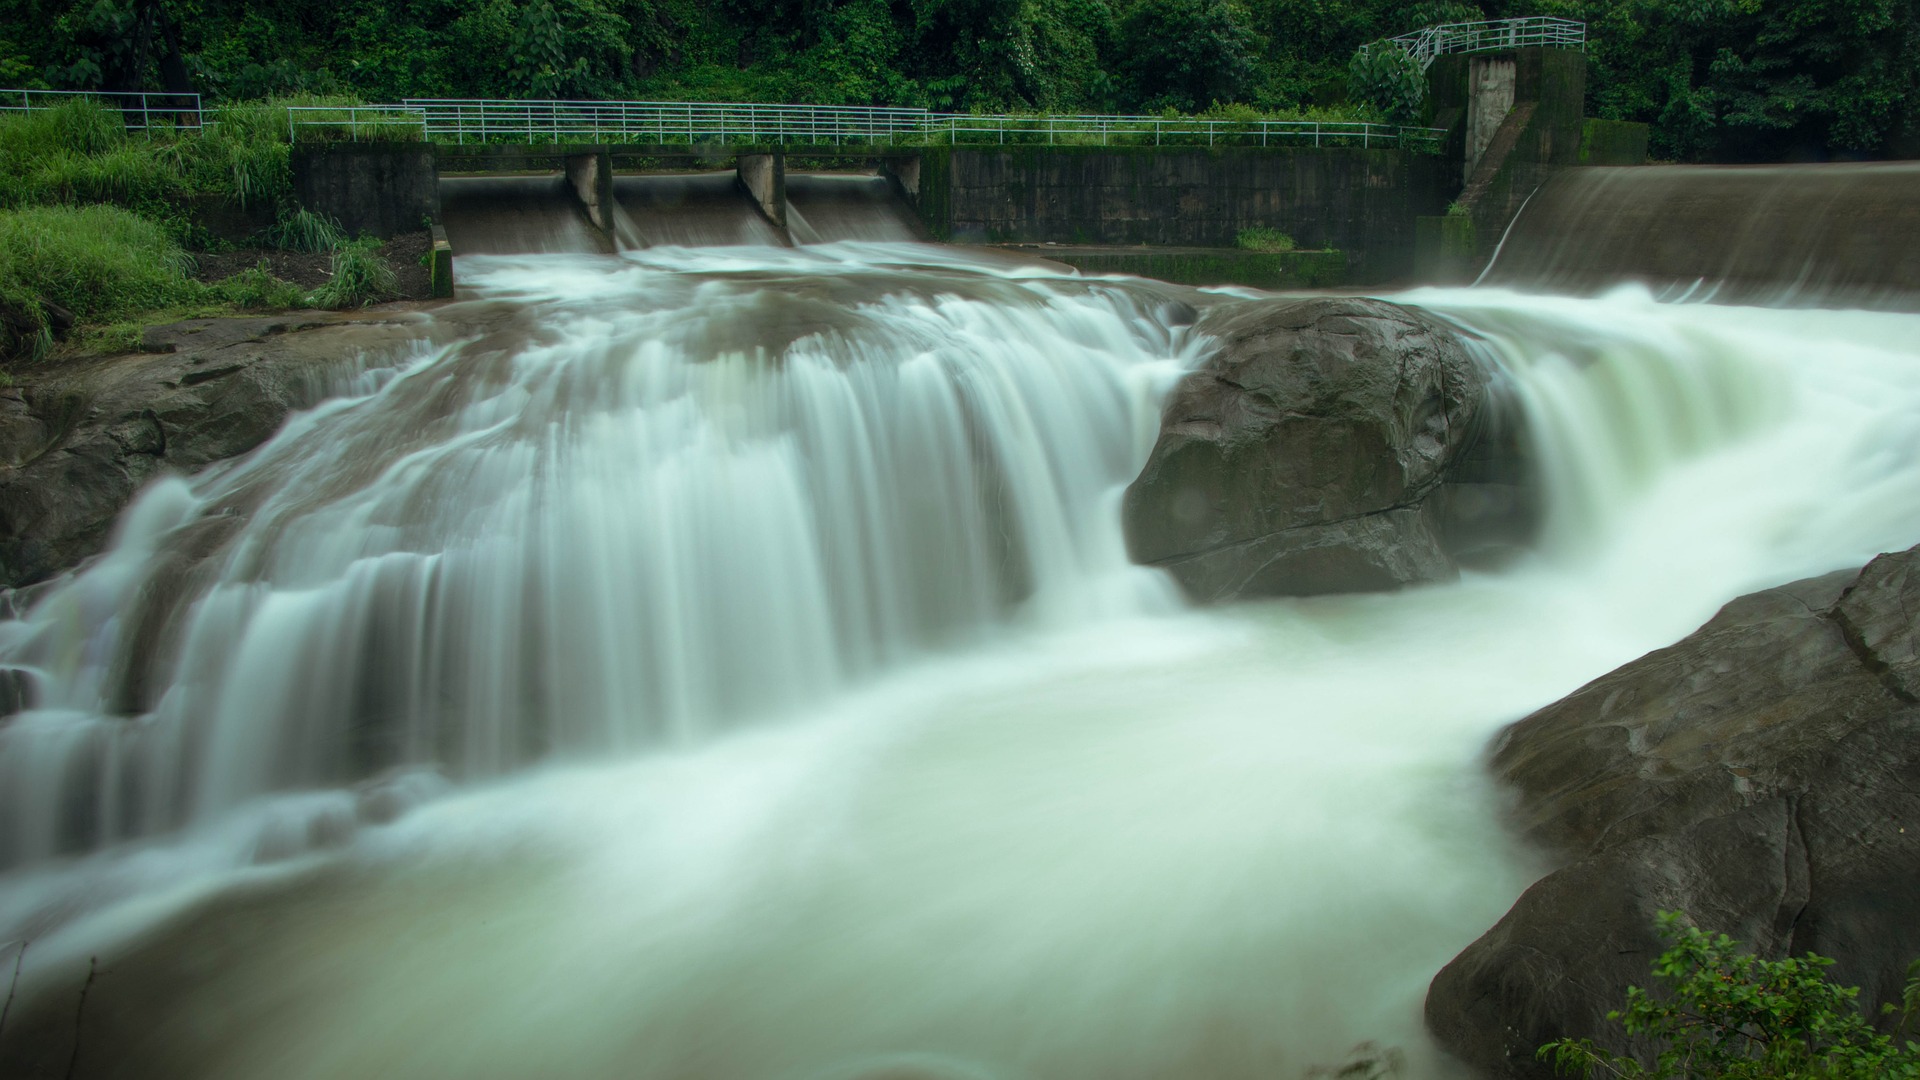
78 440
1335 444
1763 776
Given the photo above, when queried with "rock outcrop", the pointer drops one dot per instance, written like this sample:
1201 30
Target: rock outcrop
1763 776
1334 444
78 440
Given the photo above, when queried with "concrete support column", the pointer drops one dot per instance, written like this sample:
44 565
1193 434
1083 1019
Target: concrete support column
591 177
1490 95
905 173
764 176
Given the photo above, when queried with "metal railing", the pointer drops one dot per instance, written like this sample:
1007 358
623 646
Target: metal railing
1489 36
477 121
140 110
957 129
374 122
663 122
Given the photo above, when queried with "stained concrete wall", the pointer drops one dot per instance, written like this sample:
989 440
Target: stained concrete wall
380 188
1490 83
1360 202
1540 137
591 177
764 177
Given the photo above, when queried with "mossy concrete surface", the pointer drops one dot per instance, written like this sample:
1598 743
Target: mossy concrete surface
1613 142
1362 202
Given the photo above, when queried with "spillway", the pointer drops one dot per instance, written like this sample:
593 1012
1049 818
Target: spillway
688 210
516 215
724 662
1807 235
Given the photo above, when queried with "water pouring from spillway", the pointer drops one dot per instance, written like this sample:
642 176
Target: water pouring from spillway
725 663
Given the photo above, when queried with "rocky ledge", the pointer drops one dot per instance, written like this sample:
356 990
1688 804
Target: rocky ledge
79 438
1333 444
1763 776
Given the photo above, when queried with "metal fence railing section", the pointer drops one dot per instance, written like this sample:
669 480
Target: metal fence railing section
1487 36
470 122
141 110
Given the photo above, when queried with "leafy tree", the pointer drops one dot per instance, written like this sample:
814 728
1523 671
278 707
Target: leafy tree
1185 54
1757 80
1733 1015
1388 79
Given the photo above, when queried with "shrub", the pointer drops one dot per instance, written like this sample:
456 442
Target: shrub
1388 79
360 277
1267 240
304 230
256 289
1732 1015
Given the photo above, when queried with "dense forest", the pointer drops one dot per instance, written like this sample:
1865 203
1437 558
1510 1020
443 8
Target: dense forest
1719 80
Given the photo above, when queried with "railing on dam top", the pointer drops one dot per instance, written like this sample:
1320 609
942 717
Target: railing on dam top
1488 36
463 122
140 110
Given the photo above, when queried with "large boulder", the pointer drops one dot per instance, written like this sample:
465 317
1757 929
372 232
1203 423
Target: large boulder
1334 444
1759 776
79 438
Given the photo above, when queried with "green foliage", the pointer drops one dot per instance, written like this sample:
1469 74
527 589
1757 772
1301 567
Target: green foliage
304 230
1742 80
79 153
1387 78
1718 80
1268 240
256 289
360 277
1185 54
1733 1015
92 262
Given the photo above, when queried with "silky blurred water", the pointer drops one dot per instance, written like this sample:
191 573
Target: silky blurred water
728 666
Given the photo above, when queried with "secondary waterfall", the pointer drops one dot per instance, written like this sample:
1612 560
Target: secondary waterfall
724 663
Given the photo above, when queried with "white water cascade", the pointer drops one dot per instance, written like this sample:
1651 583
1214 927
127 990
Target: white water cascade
725 664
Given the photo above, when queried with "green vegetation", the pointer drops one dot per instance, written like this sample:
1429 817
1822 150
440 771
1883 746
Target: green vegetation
1732 1015
304 230
96 223
1389 80
61 264
1732 80
1268 240
360 277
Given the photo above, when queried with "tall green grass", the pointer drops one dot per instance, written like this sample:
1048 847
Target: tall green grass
360 277
304 230
80 152
98 263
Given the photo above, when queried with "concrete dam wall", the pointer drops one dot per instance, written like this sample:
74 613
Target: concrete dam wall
1847 233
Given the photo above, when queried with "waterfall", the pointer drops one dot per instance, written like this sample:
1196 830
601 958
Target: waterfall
629 519
724 663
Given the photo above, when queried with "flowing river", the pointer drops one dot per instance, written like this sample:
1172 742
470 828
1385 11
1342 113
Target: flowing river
725 663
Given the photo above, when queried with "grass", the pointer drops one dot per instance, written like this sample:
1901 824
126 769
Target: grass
256 289
79 152
93 219
1270 241
360 277
304 230
88 263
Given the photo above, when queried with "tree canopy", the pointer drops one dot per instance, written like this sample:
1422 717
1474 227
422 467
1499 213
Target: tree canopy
1719 80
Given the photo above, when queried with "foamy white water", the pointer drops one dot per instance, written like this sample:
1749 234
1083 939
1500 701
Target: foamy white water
761 690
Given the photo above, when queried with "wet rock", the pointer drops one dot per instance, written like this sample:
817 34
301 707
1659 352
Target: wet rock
1335 444
78 438
1762 775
